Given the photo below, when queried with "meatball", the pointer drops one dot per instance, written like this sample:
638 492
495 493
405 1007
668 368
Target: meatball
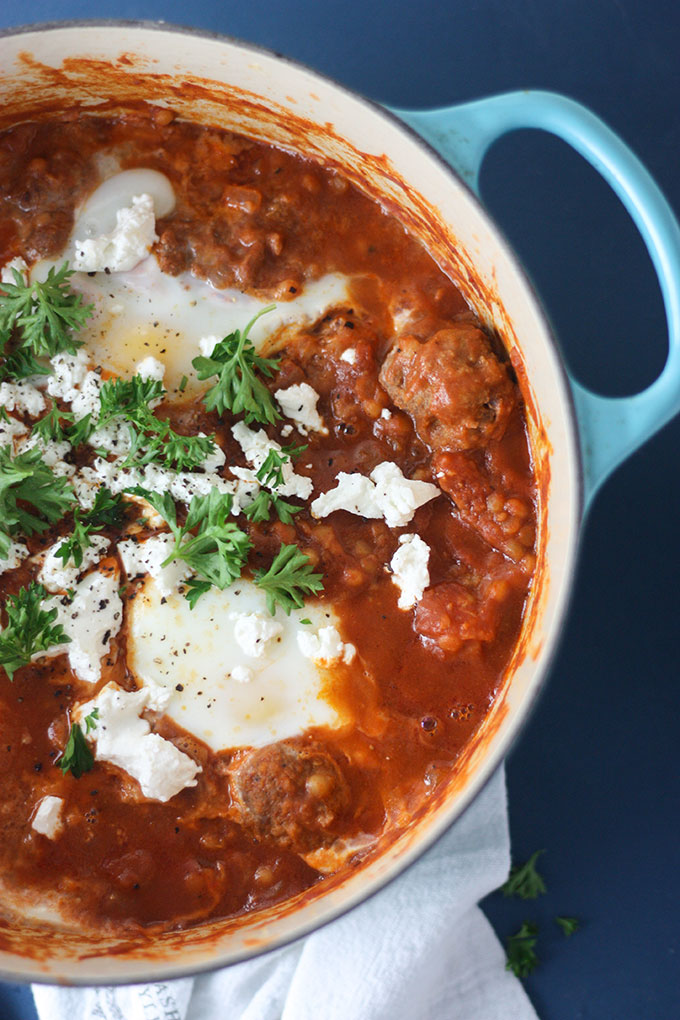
453 386
289 794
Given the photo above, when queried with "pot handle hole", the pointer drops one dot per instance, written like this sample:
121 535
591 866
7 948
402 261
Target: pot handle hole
610 428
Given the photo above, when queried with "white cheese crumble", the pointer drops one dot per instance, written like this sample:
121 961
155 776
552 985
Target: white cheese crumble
151 368
129 242
147 557
242 675
10 429
47 819
124 738
56 575
91 618
253 632
325 646
409 569
22 397
85 399
386 413
349 355
256 446
68 374
298 403
7 276
16 553
386 493
207 345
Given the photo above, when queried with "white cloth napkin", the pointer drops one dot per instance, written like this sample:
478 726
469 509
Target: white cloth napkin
418 950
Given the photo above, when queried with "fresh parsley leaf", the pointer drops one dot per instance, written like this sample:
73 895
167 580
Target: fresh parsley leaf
80 431
91 720
260 509
77 757
569 925
194 589
288 580
152 440
126 398
49 427
183 384
26 481
238 389
43 317
525 881
306 621
521 955
107 511
218 550
270 472
30 629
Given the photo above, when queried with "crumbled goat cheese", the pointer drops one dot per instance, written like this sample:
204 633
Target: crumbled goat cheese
242 674
91 618
182 485
349 355
207 345
386 493
68 374
21 397
286 431
325 646
16 553
7 276
85 400
147 557
10 429
129 242
56 575
124 738
114 438
409 569
253 632
256 446
52 453
151 368
299 404
47 819
386 413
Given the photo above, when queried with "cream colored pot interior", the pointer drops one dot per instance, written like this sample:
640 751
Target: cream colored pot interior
219 82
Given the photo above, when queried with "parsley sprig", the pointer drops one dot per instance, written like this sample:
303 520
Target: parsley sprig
218 550
77 756
521 950
290 577
261 507
41 319
26 481
525 881
30 629
107 511
238 389
50 428
152 439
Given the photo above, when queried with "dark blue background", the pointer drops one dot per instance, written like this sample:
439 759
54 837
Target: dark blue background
595 778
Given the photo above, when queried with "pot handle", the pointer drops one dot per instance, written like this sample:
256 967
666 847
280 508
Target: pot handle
610 428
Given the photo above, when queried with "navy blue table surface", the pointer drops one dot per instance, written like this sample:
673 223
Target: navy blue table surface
594 779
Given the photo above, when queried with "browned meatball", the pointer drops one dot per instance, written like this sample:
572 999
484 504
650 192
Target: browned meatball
289 794
453 386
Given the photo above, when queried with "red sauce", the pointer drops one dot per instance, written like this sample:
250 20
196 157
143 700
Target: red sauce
262 220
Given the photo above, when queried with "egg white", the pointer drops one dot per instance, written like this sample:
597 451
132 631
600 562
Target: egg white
194 652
